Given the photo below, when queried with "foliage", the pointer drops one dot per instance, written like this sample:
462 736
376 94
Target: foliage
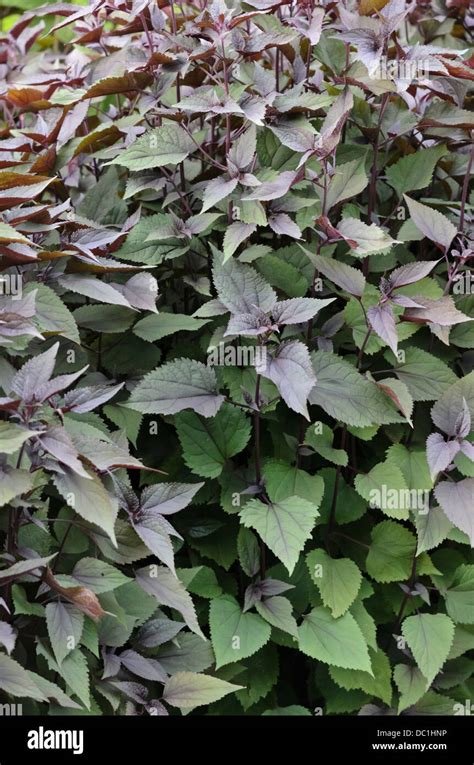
236 380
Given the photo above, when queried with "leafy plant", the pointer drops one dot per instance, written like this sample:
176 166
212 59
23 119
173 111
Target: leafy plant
237 377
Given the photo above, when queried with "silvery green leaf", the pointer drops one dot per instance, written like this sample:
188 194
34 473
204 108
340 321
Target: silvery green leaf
450 405
291 371
457 502
166 145
168 591
431 223
298 310
382 321
369 239
440 453
177 385
240 288
411 273
348 278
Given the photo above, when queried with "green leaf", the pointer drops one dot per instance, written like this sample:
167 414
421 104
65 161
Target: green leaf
235 235
284 526
188 652
89 498
411 685
337 579
334 641
459 596
425 376
97 575
260 676
15 680
169 591
240 288
200 580
377 684
13 482
431 223
429 637
235 635
52 691
187 690
283 480
369 239
24 567
21 604
249 551
278 612
166 145
208 443
138 249
75 672
348 396
65 623
432 528
177 385
414 171
384 487
320 438
52 316
156 326
446 411
12 437
391 552
414 466
348 180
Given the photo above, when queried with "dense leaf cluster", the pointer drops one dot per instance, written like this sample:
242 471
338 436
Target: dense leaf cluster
236 371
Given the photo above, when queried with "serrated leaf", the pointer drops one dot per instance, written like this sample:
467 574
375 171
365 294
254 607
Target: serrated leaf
369 239
240 288
89 498
459 596
377 684
429 637
277 611
97 575
65 623
12 437
348 180
391 552
348 396
177 385
384 486
346 277
188 690
337 579
334 641
431 223
208 443
15 680
415 171
235 635
446 411
291 371
457 502
411 685
166 145
284 526
169 591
